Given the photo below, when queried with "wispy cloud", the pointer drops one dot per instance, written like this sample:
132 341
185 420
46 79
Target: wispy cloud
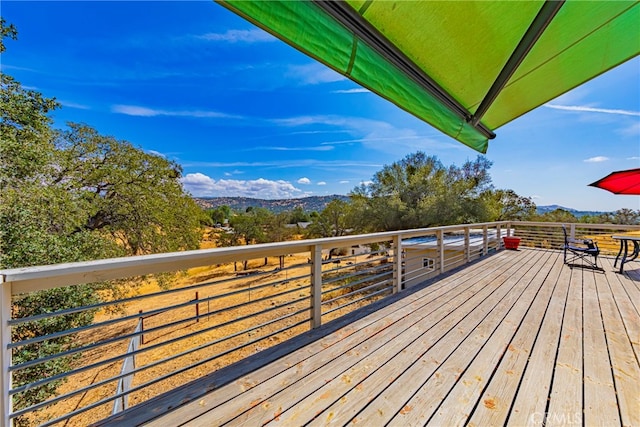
320 148
357 90
344 181
73 105
284 164
156 153
321 183
373 134
135 110
586 109
201 185
304 181
597 159
313 74
239 36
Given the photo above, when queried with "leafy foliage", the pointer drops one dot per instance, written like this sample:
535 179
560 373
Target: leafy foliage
333 221
419 191
75 195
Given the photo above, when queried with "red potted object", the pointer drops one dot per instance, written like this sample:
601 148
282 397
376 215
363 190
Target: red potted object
511 242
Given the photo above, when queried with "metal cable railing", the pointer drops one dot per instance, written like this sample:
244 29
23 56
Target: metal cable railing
199 325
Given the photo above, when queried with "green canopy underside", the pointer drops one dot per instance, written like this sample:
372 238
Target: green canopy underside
438 60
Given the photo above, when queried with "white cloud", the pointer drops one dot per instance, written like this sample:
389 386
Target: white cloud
304 180
366 182
320 148
344 182
313 74
582 108
135 110
322 183
372 134
156 153
74 105
285 164
596 159
633 158
357 90
200 185
239 36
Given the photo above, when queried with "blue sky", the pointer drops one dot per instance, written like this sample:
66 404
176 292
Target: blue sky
247 115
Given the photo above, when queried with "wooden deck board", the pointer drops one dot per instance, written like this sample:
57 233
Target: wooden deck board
624 361
515 339
501 385
565 401
421 361
600 404
473 361
532 396
358 373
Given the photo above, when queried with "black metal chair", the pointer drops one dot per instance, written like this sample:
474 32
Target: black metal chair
580 249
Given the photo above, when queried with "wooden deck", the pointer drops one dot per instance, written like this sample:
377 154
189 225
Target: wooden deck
515 339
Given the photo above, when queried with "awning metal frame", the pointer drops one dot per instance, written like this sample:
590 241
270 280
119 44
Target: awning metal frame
352 20
531 36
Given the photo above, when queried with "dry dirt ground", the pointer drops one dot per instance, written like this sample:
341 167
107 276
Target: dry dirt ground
155 342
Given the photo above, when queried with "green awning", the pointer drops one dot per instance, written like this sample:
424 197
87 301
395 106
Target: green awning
465 67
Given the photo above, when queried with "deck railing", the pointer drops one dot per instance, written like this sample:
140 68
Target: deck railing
219 312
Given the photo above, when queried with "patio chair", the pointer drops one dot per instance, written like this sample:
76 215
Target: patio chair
580 249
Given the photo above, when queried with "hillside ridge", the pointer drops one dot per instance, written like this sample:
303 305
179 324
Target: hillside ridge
308 204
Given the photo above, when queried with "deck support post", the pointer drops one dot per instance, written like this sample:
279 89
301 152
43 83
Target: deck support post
397 264
5 352
316 286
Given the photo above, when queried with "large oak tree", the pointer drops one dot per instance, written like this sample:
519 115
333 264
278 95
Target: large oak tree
74 195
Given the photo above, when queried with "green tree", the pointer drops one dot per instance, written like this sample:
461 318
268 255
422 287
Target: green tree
332 221
75 195
249 227
621 216
558 215
503 205
220 214
298 215
419 191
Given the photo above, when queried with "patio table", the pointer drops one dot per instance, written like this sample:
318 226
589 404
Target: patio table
624 249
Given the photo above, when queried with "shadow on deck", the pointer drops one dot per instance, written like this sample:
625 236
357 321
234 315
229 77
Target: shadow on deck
516 338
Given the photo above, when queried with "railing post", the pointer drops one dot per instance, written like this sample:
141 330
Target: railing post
316 287
397 264
5 352
440 237
485 240
572 231
467 243
498 237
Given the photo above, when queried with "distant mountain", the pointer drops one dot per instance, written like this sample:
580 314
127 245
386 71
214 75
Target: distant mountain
308 204
318 203
550 208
